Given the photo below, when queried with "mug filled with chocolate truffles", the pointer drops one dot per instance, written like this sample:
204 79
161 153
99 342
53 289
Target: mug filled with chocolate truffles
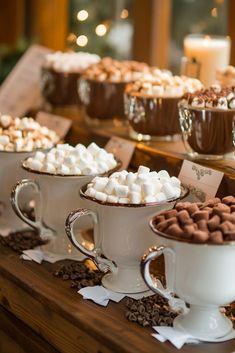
151 105
207 121
198 241
59 76
102 86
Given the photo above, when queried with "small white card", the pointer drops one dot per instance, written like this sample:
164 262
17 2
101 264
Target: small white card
20 91
59 124
122 149
203 182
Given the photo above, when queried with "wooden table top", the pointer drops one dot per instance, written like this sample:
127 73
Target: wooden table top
69 323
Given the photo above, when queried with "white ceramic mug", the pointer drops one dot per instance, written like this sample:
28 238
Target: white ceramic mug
57 194
10 172
201 275
121 234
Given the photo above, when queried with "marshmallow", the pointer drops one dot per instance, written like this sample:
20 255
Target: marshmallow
63 169
143 170
110 186
160 197
135 197
49 168
93 148
24 135
90 192
168 190
4 140
39 156
130 178
101 196
68 160
163 174
119 189
123 200
70 62
148 189
112 199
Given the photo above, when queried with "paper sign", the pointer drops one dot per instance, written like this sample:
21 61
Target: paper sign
20 92
203 182
122 149
54 122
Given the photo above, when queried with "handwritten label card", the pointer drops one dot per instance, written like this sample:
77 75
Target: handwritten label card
122 149
20 91
54 122
203 182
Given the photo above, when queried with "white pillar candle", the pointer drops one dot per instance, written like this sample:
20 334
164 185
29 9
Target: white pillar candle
210 52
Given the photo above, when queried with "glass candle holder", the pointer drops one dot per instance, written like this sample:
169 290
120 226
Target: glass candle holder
209 53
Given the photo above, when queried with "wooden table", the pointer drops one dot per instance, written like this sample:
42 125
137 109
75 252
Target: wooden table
45 315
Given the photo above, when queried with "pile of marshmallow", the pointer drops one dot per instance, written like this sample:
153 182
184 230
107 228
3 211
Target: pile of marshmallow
143 186
161 83
226 77
213 97
70 62
112 70
68 160
24 135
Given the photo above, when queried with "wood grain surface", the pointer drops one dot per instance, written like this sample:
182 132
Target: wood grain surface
70 324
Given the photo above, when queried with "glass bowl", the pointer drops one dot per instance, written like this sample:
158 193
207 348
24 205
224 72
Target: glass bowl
103 100
152 118
59 88
208 133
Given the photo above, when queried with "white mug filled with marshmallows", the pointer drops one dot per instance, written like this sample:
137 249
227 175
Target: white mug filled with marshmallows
57 175
121 206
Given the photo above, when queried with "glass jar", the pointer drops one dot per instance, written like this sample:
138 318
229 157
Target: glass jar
208 133
152 118
103 101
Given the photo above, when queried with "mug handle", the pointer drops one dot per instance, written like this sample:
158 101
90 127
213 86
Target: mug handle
45 233
103 264
155 285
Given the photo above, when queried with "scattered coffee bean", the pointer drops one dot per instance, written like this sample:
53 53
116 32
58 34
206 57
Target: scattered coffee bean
150 311
22 240
79 274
